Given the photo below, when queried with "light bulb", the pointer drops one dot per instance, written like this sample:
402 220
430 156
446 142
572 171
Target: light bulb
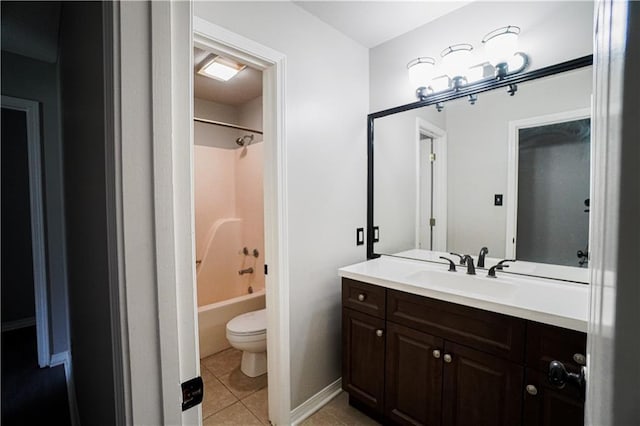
421 71
500 45
456 60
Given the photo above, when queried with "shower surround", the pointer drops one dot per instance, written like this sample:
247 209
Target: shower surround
229 216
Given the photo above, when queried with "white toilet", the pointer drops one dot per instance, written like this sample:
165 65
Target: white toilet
248 332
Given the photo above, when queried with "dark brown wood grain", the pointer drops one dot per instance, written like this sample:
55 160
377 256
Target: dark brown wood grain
413 377
551 406
480 389
374 297
363 358
546 343
494 333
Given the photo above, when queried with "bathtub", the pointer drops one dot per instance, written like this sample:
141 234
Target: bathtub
213 319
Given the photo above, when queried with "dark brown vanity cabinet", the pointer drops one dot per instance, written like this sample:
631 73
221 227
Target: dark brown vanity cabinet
413 360
545 404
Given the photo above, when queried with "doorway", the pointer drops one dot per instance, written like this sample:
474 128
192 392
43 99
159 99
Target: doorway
548 202
24 275
431 217
218 41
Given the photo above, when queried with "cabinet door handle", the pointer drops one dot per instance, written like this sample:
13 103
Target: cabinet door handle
531 390
580 359
379 333
436 353
361 297
447 358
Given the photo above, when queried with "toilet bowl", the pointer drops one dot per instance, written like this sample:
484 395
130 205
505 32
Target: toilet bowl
248 333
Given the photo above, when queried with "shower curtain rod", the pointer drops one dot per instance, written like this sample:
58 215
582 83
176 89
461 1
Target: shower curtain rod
220 123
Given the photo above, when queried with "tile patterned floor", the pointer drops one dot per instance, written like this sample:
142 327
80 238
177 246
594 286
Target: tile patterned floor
338 412
231 398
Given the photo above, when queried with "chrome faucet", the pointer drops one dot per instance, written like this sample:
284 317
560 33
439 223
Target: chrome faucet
483 252
471 270
245 271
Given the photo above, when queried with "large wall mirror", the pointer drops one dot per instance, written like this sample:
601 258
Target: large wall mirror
510 173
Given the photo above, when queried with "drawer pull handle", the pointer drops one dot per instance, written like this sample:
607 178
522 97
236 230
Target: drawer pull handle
532 390
379 333
580 359
447 358
436 353
362 297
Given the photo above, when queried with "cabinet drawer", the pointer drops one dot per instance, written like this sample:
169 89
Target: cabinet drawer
494 333
363 297
546 343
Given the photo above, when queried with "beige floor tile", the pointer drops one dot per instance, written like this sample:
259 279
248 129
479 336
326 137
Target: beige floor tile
216 395
235 415
242 386
339 412
223 362
258 404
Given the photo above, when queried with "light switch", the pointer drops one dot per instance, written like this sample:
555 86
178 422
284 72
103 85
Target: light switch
359 236
497 200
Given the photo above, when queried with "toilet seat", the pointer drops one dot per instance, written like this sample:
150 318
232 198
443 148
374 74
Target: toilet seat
249 324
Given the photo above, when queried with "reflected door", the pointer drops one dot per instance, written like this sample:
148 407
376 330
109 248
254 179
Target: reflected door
553 193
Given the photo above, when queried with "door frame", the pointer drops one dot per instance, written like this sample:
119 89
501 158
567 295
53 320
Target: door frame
273 64
439 136
38 236
512 166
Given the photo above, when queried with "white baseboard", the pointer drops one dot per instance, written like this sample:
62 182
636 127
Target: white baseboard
64 358
316 402
21 323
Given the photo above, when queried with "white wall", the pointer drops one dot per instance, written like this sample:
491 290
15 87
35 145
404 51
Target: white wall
395 177
478 154
212 135
326 106
552 32
28 78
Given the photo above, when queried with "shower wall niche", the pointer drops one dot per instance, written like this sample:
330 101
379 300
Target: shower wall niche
229 202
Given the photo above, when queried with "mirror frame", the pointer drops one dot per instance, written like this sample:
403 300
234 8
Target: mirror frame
471 89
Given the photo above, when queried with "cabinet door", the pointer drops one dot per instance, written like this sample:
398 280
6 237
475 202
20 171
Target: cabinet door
363 358
413 376
480 389
545 404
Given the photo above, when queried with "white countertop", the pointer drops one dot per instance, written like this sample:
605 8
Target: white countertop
558 303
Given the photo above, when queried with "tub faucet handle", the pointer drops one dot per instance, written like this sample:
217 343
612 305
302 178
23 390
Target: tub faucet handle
245 271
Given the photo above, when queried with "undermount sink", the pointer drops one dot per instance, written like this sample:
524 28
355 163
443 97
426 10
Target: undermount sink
462 282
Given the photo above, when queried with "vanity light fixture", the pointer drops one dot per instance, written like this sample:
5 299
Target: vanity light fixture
220 68
421 71
456 60
456 72
501 48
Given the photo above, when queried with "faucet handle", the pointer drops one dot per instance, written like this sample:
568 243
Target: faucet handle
471 270
500 265
461 256
452 264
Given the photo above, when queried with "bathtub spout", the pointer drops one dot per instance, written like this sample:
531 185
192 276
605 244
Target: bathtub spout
245 271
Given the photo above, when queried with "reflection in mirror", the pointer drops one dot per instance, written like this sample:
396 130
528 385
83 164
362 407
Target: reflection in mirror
553 193
496 174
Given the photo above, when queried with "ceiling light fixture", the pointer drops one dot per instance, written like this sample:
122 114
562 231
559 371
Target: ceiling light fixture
458 70
220 68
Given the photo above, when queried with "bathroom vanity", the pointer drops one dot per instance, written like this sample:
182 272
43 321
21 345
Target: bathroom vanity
422 345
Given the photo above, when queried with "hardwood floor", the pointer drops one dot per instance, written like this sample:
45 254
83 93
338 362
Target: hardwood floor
30 395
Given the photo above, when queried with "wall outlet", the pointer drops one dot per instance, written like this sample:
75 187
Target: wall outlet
359 236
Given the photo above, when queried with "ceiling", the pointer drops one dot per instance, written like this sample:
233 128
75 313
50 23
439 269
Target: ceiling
245 86
371 23
365 21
